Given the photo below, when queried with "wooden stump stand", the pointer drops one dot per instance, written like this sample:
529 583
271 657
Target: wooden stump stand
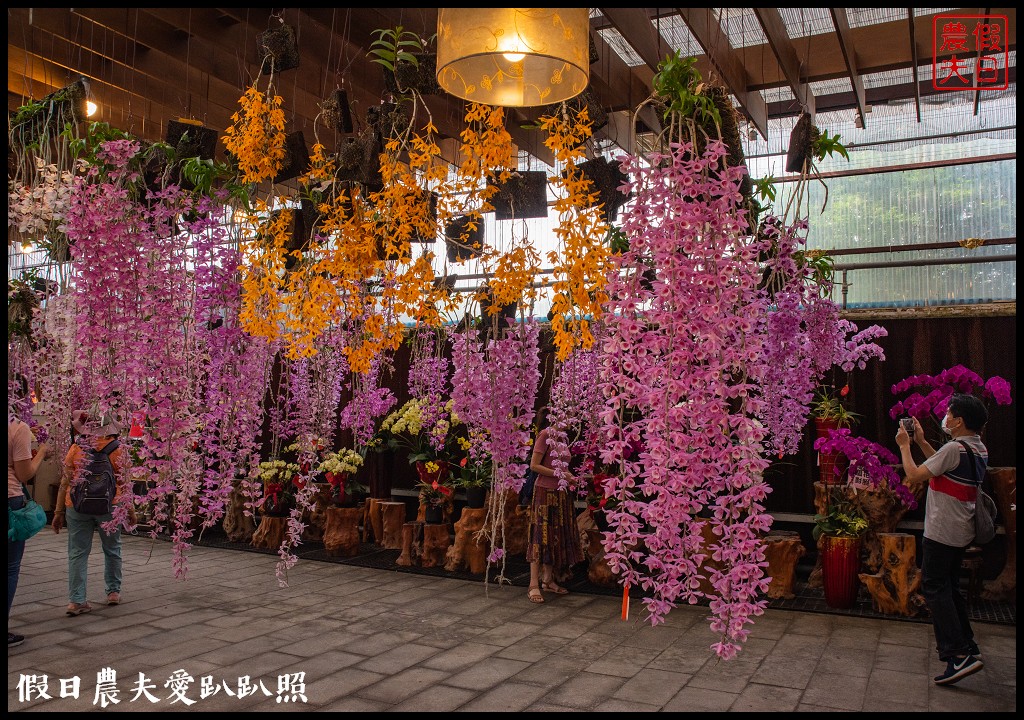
517 525
598 571
894 588
373 521
436 541
468 552
341 531
783 548
392 520
412 544
1004 492
238 526
270 534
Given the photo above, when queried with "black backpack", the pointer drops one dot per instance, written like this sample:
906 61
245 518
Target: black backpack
94 495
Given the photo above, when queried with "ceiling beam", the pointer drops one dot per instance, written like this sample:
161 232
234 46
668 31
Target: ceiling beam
775 30
637 30
707 31
842 22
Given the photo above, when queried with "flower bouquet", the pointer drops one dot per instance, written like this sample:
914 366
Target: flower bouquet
339 469
278 489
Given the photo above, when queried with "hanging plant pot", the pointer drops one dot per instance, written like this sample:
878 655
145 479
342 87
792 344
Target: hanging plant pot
606 176
311 217
296 159
337 112
839 567
279 49
799 144
506 312
387 120
35 122
190 139
420 76
731 135
298 239
523 195
429 210
463 240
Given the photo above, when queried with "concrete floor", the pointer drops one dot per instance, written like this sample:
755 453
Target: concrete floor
379 640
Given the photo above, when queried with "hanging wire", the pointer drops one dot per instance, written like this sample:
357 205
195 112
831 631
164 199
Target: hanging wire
188 67
330 50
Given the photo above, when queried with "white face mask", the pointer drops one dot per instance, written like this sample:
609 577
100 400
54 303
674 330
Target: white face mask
945 427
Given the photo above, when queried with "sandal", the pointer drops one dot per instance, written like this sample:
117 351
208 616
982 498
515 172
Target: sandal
552 588
78 608
534 595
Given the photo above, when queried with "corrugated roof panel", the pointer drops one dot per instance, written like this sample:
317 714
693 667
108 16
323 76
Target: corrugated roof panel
889 77
622 48
830 87
742 28
862 17
677 34
778 94
801 22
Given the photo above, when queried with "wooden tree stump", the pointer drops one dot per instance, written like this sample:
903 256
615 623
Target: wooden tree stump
238 526
598 571
468 552
894 588
315 518
270 534
374 520
436 541
412 544
1004 491
341 531
709 563
783 548
517 525
393 518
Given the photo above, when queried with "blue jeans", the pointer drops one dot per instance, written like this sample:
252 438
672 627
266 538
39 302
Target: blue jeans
940 585
15 551
80 531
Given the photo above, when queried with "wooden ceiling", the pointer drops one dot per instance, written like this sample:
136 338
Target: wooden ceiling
150 65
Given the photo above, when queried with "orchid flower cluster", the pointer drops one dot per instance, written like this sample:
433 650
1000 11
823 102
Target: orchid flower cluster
39 209
494 388
804 337
237 369
940 387
676 378
133 297
428 381
867 459
574 404
369 403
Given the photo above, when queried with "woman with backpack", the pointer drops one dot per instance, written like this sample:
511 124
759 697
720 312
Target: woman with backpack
89 490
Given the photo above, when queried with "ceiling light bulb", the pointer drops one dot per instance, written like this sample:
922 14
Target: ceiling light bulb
513 56
90 108
26 248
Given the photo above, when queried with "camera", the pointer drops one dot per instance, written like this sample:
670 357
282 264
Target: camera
908 425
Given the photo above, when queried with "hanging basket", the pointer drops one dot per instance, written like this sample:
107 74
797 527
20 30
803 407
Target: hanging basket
190 138
606 176
463 242
799 144
429 209
523 195
279 49
39 121
337 112
586 99
296 160
420 76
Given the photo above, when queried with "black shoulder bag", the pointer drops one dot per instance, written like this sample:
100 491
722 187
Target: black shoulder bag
984 505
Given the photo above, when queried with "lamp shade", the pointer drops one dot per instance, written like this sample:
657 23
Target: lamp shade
513 57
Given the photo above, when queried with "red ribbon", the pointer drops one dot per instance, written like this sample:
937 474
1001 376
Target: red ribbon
273 490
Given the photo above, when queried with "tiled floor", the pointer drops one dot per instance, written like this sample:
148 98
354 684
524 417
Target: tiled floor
376 640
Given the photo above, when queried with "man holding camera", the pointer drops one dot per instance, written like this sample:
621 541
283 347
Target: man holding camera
954 473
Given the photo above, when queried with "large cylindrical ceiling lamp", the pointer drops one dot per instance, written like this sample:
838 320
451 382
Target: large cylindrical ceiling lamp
513 57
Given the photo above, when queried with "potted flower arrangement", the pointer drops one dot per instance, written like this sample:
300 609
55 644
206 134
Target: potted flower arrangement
474 478
435 491
829 412
339 469
429 433
841 526
278 489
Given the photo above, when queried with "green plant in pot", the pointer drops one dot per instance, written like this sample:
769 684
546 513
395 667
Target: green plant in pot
475 480
839 532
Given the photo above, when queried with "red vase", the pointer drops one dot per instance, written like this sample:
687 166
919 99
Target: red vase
823 425
840 563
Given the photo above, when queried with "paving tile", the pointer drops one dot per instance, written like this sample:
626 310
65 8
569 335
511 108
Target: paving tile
584 690
506 697
695 699
623 661
786 672
439 698
399 686
460 656
399 658
486 673
836 692
766 698
651 686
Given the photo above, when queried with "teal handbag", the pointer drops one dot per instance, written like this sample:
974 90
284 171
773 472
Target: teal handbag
27 521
